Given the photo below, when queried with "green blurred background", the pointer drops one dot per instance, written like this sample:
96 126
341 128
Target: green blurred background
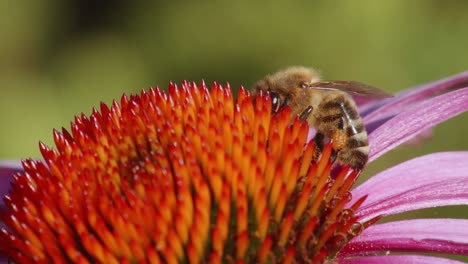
60 58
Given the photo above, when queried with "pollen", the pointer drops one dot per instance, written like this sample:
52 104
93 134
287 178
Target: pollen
188 175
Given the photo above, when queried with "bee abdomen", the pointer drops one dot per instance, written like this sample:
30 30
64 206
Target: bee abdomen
354 142
356 151
355 127
356 158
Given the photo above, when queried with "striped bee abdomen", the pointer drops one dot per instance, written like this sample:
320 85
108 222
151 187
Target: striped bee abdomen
337 114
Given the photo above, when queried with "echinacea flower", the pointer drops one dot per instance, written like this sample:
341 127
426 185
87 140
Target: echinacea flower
192 176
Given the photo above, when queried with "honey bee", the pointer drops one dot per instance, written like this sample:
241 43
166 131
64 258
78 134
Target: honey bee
328 106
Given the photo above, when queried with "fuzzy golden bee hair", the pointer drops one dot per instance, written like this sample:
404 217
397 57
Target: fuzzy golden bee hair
328 106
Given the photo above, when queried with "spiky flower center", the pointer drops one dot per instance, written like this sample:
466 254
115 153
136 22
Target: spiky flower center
187 176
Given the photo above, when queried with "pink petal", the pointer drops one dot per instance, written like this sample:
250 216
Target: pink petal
416 119
392 259
379 109
7 170
433 180
448 236
10 165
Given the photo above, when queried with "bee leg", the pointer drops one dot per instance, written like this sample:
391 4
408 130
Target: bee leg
318 140
286 102
319 145
333 156
305 114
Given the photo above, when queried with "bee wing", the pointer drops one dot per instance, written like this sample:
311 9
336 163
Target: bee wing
351 87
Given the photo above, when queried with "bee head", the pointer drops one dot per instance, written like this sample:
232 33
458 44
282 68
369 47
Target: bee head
285 86
278 98
295 77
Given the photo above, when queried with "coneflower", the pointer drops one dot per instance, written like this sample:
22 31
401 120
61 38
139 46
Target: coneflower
193 176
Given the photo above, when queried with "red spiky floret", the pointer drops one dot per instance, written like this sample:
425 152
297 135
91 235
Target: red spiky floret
187 175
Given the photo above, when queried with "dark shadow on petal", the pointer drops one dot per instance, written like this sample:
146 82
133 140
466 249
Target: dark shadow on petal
7 170
371 126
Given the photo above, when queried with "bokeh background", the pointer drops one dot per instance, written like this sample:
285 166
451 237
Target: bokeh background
61 58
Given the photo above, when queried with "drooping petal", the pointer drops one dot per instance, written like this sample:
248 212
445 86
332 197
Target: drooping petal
433 180
449 236
7 170
415 120
7 167
392 259
375 110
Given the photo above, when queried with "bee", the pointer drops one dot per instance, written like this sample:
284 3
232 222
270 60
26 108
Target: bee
327 106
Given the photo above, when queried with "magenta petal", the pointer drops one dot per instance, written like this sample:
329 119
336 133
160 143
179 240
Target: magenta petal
7 170
9 165
416 119
448 236
375 110
437 179
392 259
